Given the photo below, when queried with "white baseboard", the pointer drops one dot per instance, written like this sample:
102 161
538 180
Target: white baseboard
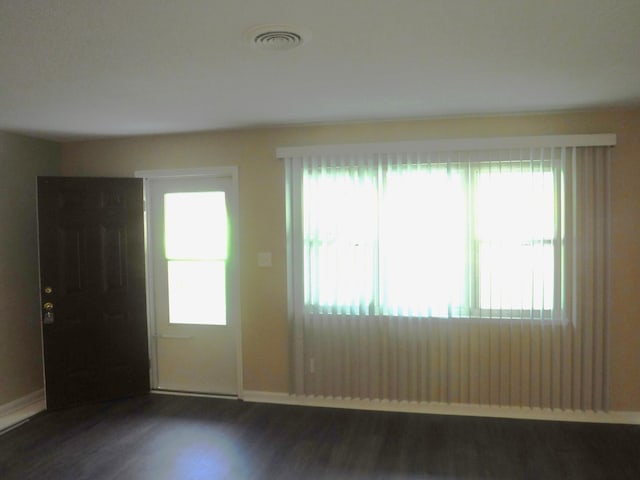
615 417
181 393
21 409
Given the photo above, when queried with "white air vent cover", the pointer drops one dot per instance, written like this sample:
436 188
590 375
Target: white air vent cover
276 37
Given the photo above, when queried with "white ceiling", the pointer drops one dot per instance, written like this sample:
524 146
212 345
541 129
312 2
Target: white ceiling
91 68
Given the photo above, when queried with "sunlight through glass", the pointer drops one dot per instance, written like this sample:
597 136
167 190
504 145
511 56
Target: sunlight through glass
340 228
430 240
195 225
196 250
197 292
515 226
423 266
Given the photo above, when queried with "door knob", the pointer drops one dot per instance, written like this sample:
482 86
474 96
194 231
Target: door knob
49 317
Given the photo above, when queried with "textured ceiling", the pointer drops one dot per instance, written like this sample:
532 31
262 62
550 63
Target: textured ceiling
91 68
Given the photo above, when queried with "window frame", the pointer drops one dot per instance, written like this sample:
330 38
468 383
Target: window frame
472 308
553 313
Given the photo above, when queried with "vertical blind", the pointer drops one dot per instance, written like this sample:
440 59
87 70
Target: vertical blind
458 275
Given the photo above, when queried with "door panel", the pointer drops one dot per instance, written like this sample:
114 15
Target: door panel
191 355
92 271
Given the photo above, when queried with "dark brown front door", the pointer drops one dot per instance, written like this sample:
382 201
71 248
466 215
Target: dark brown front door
92 279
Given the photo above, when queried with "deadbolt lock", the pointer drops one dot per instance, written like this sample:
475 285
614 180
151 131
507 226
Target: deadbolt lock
48 290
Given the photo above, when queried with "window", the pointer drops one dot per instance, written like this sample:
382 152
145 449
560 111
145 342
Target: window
516 220
432 271
445 240
195 249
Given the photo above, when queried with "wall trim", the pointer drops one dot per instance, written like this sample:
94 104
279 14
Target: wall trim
613 417
434 145
182 393
222 171
21 409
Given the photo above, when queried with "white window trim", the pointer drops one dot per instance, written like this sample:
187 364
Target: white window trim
461 144
227 171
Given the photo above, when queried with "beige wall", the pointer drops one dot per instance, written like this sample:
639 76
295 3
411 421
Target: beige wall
21 160
262 215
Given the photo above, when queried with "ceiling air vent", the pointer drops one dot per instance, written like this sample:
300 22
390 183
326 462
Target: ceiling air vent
276 37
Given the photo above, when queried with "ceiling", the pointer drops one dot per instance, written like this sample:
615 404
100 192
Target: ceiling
92 68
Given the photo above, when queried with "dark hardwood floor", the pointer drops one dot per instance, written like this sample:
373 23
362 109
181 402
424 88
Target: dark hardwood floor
166 437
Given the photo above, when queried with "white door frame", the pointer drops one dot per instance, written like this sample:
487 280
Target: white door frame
233 309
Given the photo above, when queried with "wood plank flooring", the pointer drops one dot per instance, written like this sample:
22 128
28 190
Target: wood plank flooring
167 437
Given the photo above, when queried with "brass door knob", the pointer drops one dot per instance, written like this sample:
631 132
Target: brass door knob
48 306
